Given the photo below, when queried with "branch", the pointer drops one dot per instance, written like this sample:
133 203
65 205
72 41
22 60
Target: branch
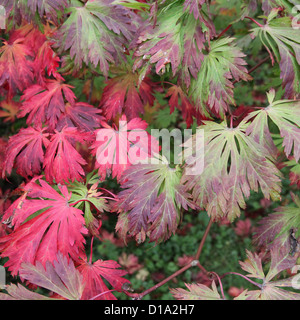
195 262
197 256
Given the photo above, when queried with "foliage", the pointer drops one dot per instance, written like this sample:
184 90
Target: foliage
85 178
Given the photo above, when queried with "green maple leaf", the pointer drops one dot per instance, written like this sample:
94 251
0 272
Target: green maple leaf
274 230
213 86
269 290
285 114
176 40
197 291
88 197
283 44
96 33
234 164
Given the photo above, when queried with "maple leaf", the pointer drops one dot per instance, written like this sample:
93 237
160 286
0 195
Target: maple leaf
86 196
197 291
234 164
46 103
50 224
81 115
124 93
294 173
130 262
279 38
36 10
194 7
269 290
188 110
213 86
94 275
96 33
177 39
16 69
285 115
151 202
18 292
274 230
25 152
46 62
117 148
60 277
62 161
243 228
9 110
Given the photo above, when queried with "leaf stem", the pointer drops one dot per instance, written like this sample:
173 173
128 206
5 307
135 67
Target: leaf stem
100 294
241 275
220 283
224 31
253 20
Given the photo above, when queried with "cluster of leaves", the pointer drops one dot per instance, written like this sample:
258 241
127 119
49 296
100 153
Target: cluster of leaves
68 143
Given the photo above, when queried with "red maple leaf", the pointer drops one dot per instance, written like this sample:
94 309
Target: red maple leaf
62 161
80 115
25 152
59 227
124 94
93 275
117 148
181 101
16 69
46 103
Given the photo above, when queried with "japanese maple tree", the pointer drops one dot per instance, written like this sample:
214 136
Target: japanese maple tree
82 85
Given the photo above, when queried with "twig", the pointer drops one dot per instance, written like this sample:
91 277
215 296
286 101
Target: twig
197 256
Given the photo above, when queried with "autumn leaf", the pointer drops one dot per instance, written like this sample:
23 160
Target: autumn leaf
196 291
234 164
36 10
124 94
9 110
96 33
80 115
285 115
283 44
176 40
16 69
274 230
151 201
180 100
269 290
50 224
117 148
62 161
25 152
94 275
60 277
213 85
46 103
